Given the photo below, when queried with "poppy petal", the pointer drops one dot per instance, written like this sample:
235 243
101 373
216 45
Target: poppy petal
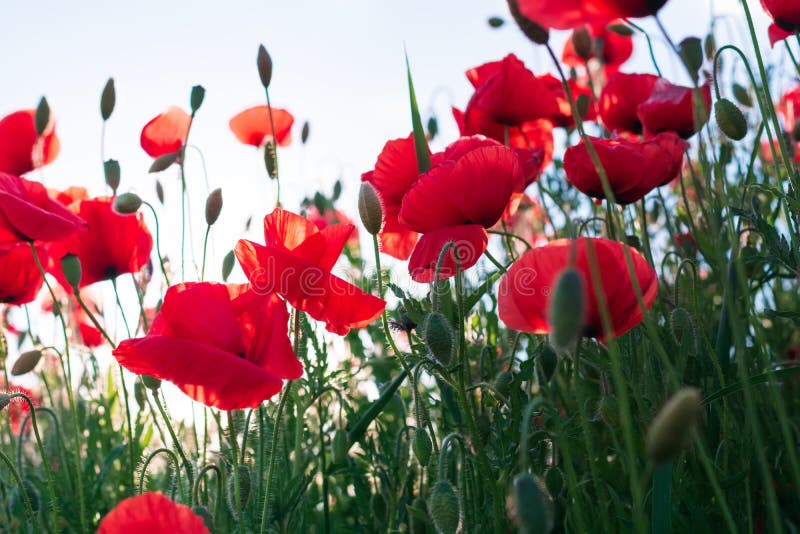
470 243
153 513
165 133
21 148
253 126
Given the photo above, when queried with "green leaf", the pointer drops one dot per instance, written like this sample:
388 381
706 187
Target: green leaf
753 380
420 143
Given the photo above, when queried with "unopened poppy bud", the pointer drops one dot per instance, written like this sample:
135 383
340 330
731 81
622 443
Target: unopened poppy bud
264 63
205 514
17 501
549 360
108 98
150 382
418 525
554 480
42 116
671 430
160 192
5 400
304 132
196 97
742 96
680 324
140 394
691 52
127 203
495 22
710 46
71 267
730 119
422 446
620 29
567 309
443 507
502 382
533 31
339 446
237 507
582 43
26 362
270 160
379 508
213 206
369 208
439 337
163 162
582 105
533 506
112 173
227 265
433 127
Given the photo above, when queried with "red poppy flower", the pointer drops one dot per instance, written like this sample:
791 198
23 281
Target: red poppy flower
466 191
564 14
27 213
610 48
532 134
252 126
395 171
789 107
620 99
777 34
633 168
630 8
152 513
785 13
20 279
525 290
166 133
21 148
670 107
223 345
296 263
69 195
564 116
114 244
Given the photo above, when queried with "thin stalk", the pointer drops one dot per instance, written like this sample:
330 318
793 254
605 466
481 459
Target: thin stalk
237 511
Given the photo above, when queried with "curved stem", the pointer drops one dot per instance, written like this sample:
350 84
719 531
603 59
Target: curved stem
158 243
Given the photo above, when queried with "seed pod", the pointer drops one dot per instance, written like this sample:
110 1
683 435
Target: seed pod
582 42
112 173
730 119
42 116
439 337
204 514
671 430
196 97
140 394
213 206
151 382
304 132
270 160
620 29
369 208
495 22
339 446
422 446
532 505
264 63
379 508
691 52
567 309
108 99
444 508
227 265
236 507
26 362
502 382
71 267
533 31
127 203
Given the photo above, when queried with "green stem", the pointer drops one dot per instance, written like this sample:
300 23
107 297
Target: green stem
237 504
175 440
273 453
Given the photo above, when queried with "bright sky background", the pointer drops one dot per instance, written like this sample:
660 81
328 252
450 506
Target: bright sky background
338 64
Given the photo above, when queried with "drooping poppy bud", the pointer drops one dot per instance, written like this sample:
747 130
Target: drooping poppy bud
502 382
26 362
422 446
439 337
151 382
196 97
108 99
533 31
264 63
127 203
495 22
417 525
533 505
140 394
213 206
205 514
339 446
369 208
237 506
567 310
304 132
444 508
71 267
671 430
160 192
730 119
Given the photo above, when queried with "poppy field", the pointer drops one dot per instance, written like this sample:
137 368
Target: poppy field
574 309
